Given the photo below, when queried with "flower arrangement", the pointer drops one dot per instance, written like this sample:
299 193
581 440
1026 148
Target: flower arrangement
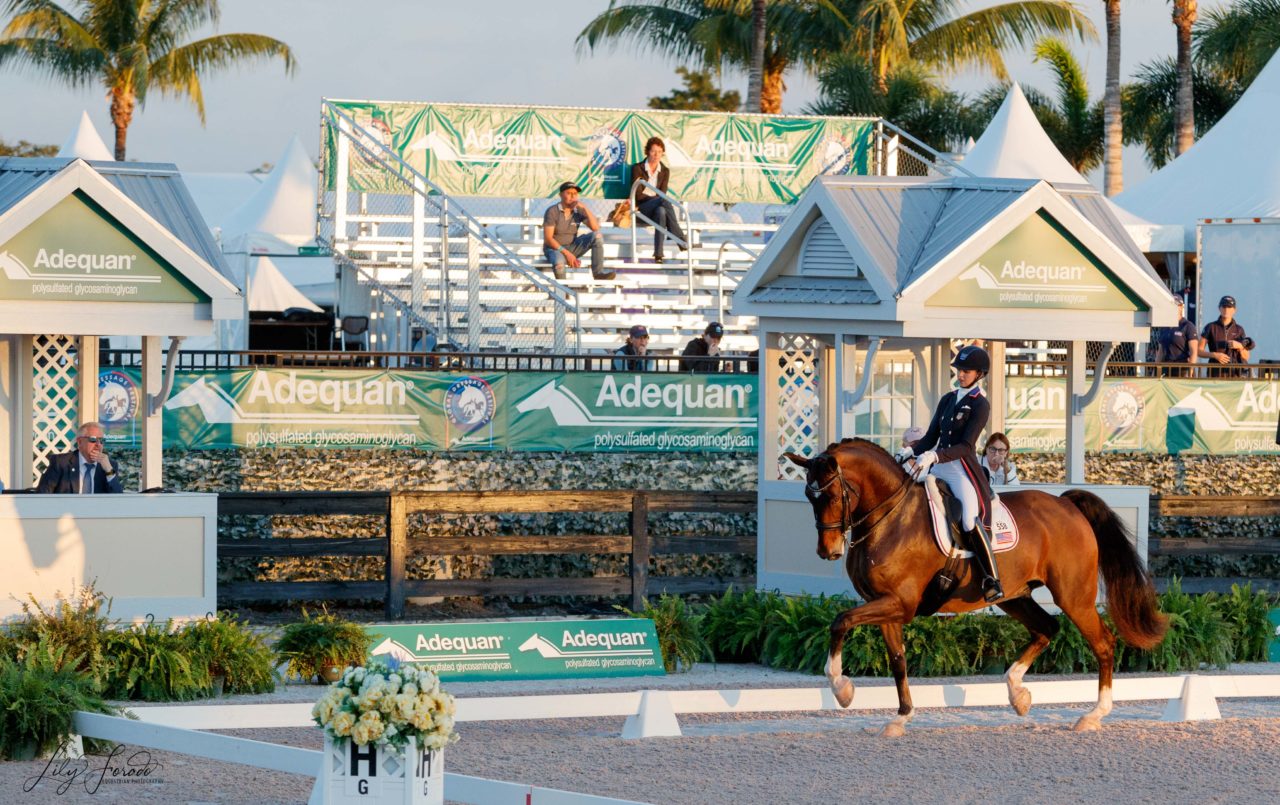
387 703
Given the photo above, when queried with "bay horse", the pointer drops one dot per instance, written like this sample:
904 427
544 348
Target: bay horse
857 487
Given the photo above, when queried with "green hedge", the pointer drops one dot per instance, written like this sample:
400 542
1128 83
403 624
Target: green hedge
792 633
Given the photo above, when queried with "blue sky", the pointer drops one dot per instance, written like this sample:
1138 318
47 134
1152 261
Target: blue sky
483 51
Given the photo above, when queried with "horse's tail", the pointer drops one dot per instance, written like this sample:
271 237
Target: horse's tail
1131 597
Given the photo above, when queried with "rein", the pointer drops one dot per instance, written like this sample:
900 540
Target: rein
845 490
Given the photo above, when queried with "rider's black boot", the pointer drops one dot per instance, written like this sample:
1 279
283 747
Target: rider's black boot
980 544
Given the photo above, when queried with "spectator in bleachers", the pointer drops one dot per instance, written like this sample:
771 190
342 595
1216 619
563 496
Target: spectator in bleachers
631 355
702 354
560 239
650 204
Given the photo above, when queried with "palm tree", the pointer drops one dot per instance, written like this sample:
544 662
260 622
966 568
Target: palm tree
887 33
131 46
1149 103
1184 17
756 77
911 99
1237 41
933 33
1073 123
1113 126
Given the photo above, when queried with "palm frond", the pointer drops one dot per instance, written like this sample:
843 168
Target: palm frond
1149 106
1238 40
979 39
178 72
664 27
43 19
79 68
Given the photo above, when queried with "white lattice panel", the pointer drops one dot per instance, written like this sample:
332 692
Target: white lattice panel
54 403
799 402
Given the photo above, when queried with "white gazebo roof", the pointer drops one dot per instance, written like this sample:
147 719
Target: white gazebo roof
1232 172
957 258
1015 146
84 143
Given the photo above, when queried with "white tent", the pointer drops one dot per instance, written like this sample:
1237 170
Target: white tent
1015 146
281 216
85 143
220 194
269 291
1232 172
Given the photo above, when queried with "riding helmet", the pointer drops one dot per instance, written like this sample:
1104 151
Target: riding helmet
972 357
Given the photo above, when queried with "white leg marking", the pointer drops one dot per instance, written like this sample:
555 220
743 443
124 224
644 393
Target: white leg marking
1092 720
841 686
897 727
1019 697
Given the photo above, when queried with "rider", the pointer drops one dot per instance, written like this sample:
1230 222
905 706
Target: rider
948 449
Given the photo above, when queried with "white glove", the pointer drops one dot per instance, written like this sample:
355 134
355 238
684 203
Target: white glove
904 455
923 462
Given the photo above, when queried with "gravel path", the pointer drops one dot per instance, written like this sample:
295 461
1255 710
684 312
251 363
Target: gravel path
952 756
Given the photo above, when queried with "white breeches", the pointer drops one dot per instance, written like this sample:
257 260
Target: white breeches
953 473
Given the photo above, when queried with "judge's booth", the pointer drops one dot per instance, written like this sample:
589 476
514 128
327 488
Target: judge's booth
863 295
93 250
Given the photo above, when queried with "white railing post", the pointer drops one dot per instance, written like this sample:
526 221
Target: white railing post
418 247
342 173
559 323
446 308
473 293
891 156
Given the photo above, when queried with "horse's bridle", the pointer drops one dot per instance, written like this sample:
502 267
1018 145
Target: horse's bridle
812 491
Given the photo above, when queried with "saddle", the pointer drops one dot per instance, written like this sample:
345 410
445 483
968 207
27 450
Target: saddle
944 517
944 511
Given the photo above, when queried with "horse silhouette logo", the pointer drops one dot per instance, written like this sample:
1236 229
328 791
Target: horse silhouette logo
545 648
395 649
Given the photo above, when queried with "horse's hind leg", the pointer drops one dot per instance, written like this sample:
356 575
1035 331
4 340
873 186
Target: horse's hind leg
898 661
881 610
1082 611
1043 627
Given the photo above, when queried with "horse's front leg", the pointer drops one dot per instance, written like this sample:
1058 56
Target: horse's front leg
898 662
885 610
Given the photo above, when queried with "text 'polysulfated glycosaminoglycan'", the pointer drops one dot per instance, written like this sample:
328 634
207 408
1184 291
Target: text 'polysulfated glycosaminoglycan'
635 393
332 394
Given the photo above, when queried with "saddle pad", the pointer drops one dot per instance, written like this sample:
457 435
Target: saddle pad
1003 527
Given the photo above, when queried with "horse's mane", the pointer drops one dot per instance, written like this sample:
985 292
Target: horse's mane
878 453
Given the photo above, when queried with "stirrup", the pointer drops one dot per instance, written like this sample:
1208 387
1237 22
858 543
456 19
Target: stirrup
992 591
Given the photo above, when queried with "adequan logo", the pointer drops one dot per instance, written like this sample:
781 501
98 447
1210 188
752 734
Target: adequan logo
220 408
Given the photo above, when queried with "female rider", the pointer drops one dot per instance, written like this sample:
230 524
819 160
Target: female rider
948 449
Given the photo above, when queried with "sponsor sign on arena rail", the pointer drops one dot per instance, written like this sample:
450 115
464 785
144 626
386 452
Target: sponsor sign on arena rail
525 649
584 412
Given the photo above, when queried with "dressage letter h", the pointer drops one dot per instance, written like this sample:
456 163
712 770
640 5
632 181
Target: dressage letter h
370 755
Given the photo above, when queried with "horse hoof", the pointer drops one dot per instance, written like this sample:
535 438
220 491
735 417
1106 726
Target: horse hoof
1021 701
843 690
1089 723
894 729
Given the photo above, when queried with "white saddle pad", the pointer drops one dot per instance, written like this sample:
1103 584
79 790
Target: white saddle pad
1004 528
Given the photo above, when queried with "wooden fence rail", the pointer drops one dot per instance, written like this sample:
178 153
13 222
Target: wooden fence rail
394 545
392 542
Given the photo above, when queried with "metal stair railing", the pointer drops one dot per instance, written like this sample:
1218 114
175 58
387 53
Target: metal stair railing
350 134
383 292
891 141
720 271
687 240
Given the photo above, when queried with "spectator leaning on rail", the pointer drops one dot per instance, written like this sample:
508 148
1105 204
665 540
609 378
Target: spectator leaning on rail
561 242
702 354
85 471
631 355
995 460
650 204
1224 339
1178 344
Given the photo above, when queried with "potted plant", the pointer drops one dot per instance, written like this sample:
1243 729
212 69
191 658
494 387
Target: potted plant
322 646
389 721
238 659
38 697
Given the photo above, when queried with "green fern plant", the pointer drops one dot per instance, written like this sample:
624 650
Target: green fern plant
1245 611
74 629
38 697
230 649
152 662
679 631
735 624
319 641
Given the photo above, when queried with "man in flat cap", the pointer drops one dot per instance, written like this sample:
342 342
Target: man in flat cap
561 242
1224 341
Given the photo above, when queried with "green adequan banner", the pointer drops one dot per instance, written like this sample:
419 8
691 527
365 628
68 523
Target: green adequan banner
77 251
526 152
1149 415
525 649
585 412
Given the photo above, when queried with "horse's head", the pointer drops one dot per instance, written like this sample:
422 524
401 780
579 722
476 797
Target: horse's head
833 499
